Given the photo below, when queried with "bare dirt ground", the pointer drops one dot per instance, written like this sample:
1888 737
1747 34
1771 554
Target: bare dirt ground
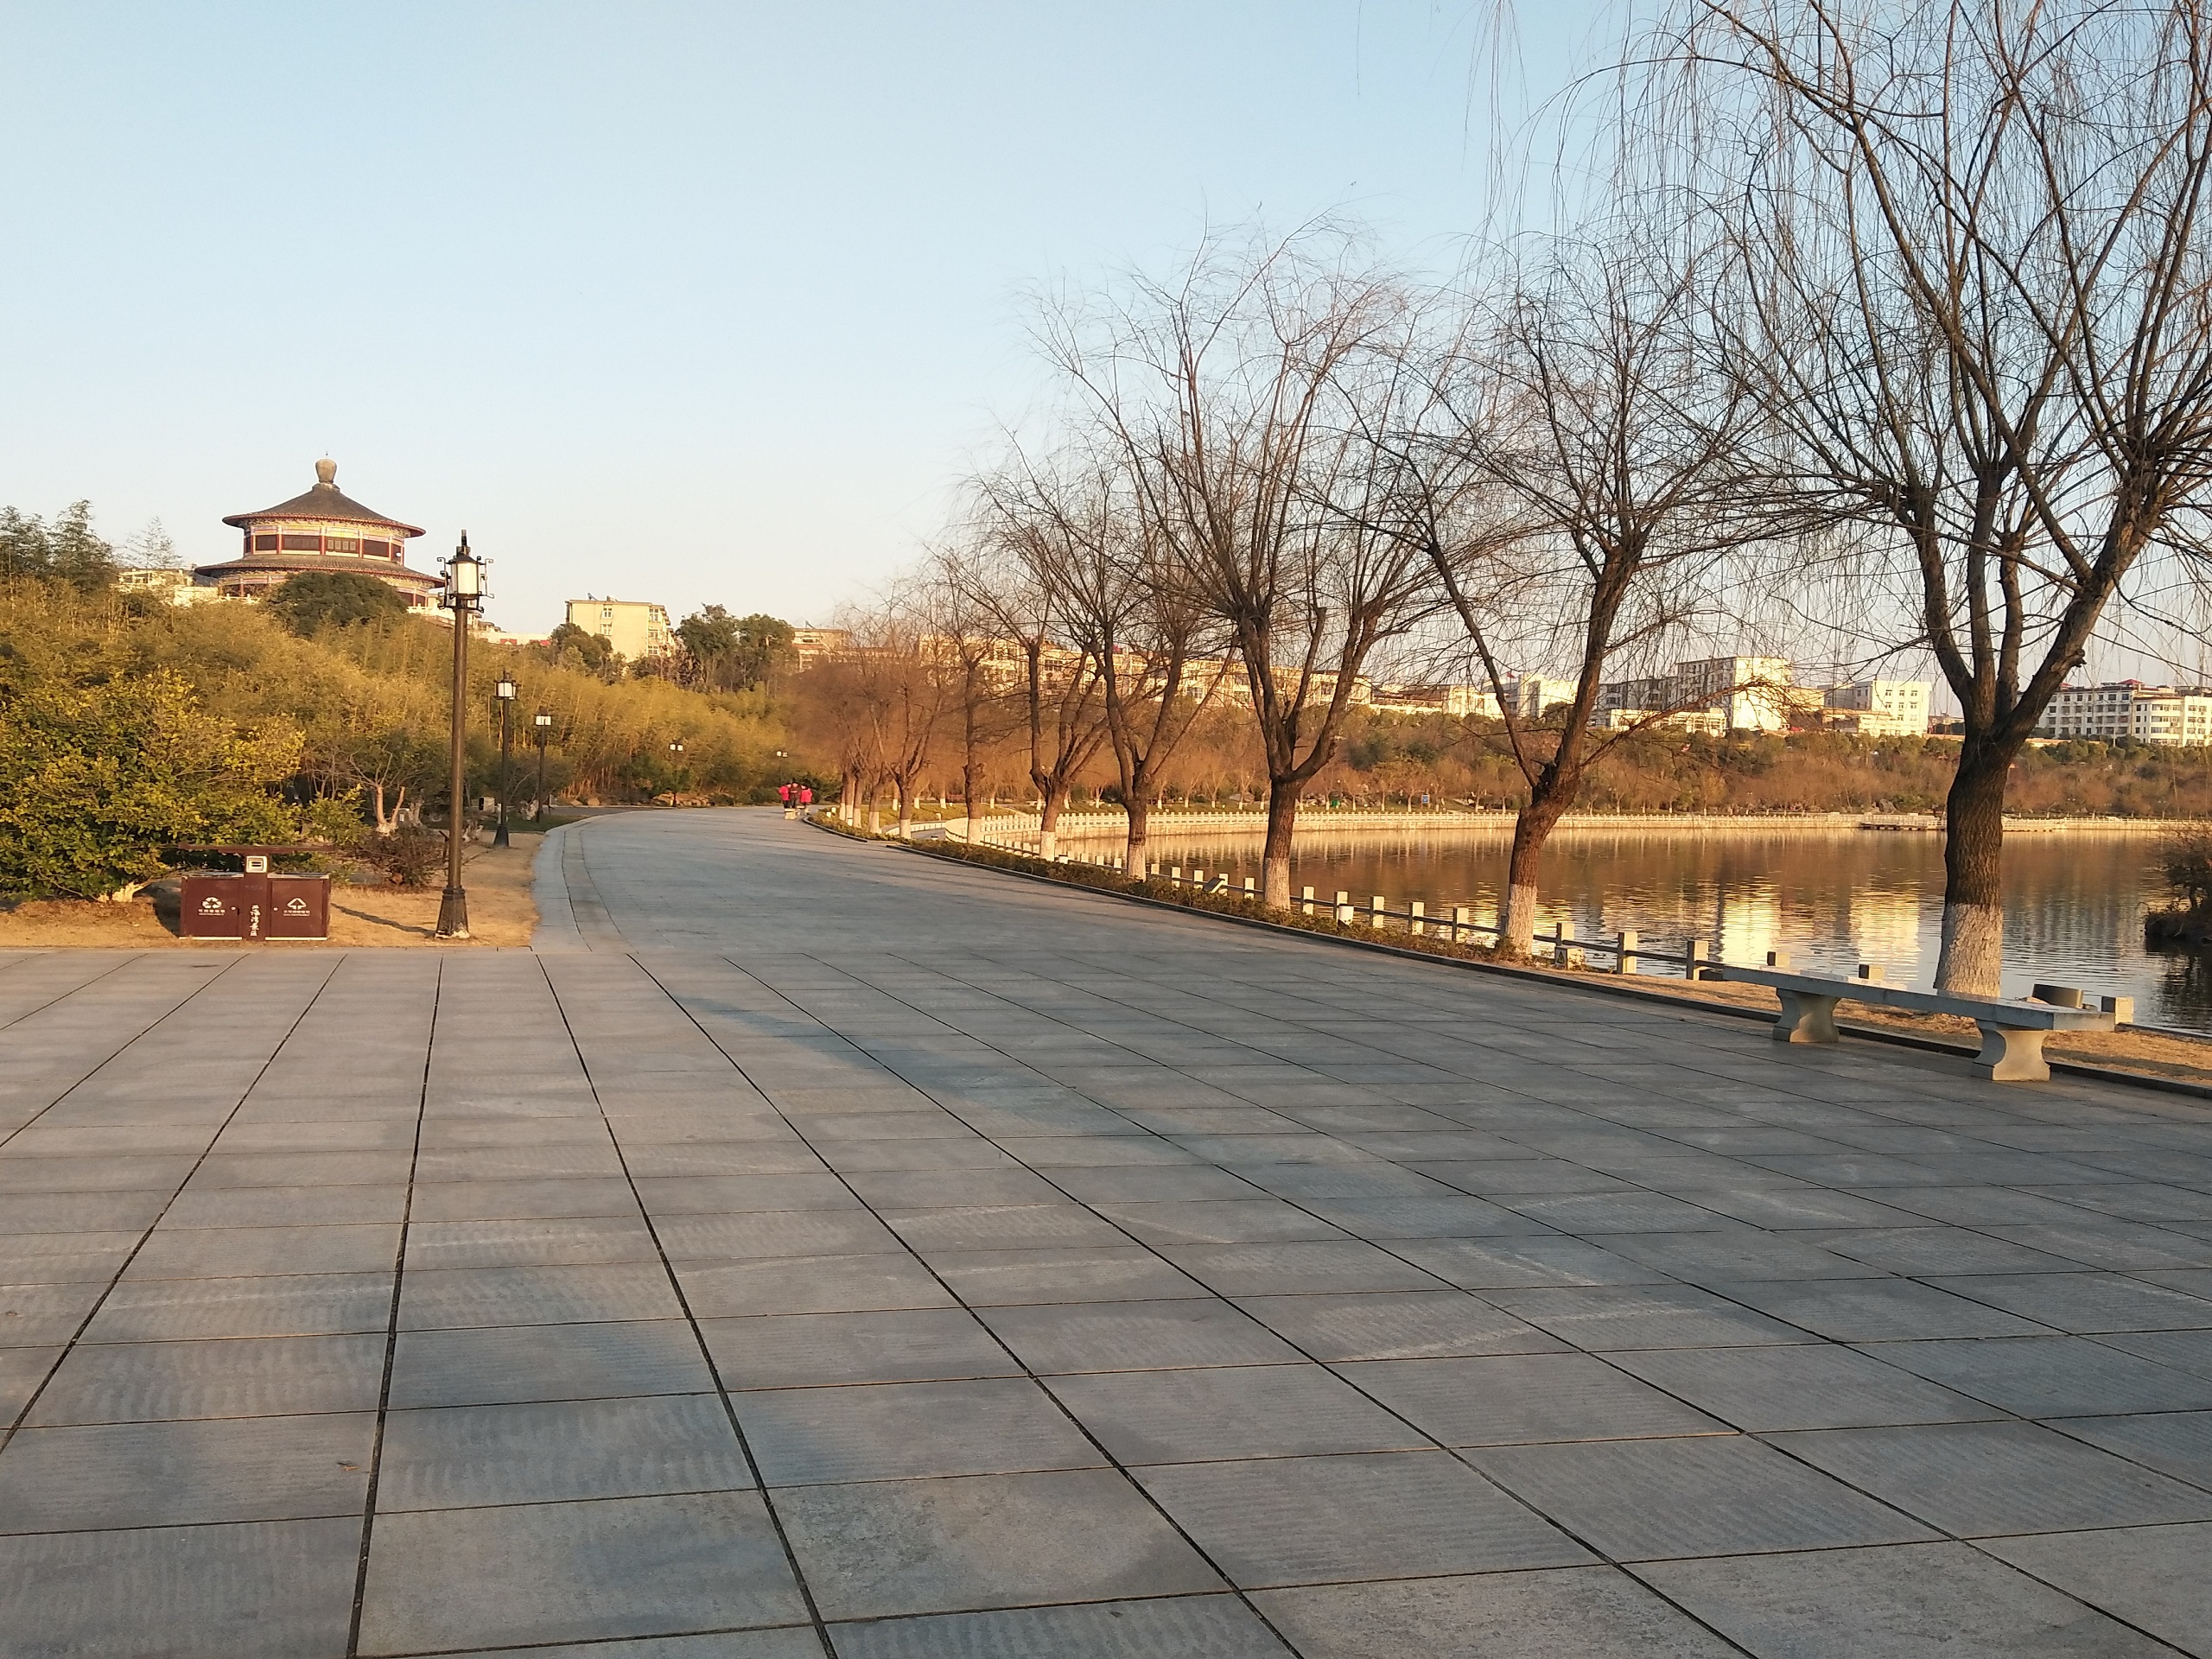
499 913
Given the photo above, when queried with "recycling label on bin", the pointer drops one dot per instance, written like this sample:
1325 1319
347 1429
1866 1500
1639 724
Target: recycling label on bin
296 907
211 905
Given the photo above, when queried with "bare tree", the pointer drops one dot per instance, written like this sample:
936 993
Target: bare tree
905 688
1130 604
1972 243
1580 489
832 706
1233 391
967 648
1012 589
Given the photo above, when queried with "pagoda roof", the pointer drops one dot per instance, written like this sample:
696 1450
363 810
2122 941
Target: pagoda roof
399 575
324 501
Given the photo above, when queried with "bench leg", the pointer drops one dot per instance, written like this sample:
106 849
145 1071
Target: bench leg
1805 1017
2011 1055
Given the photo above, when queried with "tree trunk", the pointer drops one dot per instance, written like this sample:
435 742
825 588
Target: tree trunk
1532 827
875 809
905 813
1048 825
1972 959
1139 832
1275 858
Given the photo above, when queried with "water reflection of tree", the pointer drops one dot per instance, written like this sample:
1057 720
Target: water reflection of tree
2184 985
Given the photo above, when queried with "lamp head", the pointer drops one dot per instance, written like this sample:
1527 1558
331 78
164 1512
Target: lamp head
464 575
504 691
544 720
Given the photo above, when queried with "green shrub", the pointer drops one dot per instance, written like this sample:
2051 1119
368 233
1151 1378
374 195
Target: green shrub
96 780
314 599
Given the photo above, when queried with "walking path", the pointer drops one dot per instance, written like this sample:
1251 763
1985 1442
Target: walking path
814 1248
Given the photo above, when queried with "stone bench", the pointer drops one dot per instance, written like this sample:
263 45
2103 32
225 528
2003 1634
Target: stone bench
2012 1029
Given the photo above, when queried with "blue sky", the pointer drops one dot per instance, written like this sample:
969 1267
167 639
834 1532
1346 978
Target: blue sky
686 302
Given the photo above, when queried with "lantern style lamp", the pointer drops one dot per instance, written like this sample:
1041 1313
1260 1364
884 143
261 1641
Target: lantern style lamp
544 722
504 691
464 593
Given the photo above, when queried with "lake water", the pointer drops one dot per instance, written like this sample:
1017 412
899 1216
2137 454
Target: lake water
2073 909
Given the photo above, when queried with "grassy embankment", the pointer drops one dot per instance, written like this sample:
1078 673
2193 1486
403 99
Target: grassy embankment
329 721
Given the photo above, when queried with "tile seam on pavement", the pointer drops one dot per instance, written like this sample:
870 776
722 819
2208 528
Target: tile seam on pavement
1059 1404
391 1326
1242 1591
1534 1508
791 1563
75 1339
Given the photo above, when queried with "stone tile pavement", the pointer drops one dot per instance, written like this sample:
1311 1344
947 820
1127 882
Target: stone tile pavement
814 1249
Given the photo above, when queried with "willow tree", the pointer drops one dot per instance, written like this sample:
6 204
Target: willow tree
1977 318
1127 603
1012 586
1237 391
1581 484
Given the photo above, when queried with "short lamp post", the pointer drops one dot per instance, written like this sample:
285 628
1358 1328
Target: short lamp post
464 593
544 722
505 693
676 775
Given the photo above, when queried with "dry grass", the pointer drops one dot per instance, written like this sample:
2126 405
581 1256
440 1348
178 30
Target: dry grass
499 913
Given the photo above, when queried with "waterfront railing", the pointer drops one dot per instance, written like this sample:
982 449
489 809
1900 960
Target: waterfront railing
1623 953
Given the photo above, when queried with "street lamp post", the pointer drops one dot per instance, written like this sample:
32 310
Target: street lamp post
505 693
676 776
544 724
464 591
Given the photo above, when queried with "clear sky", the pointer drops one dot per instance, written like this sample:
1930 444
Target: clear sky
685 302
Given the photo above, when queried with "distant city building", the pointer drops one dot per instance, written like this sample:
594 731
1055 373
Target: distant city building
2130 709
1457 701
637 628
177 586
1881 707
1634 697
1751 693
1703 722
321 531
1532 695
1235 686
808 644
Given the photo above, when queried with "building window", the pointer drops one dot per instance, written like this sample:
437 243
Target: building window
341 544
378 550
303 543
265 543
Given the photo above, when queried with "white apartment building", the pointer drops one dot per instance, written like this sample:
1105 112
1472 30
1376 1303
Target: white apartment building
1457 701
807 644
1701 723
637 628
1753 693
2130 709
1631 698
1884 708
1532 695
177 586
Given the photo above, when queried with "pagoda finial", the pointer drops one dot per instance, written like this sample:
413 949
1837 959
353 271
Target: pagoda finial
325 473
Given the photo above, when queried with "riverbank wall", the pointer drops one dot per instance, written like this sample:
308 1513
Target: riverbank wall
1318 821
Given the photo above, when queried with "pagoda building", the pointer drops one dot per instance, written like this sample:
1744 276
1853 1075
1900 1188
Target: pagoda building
321 531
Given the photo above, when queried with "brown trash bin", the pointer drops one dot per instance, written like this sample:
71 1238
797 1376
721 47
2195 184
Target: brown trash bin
218 907
299 907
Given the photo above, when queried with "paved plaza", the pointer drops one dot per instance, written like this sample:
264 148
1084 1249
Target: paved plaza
815 1248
